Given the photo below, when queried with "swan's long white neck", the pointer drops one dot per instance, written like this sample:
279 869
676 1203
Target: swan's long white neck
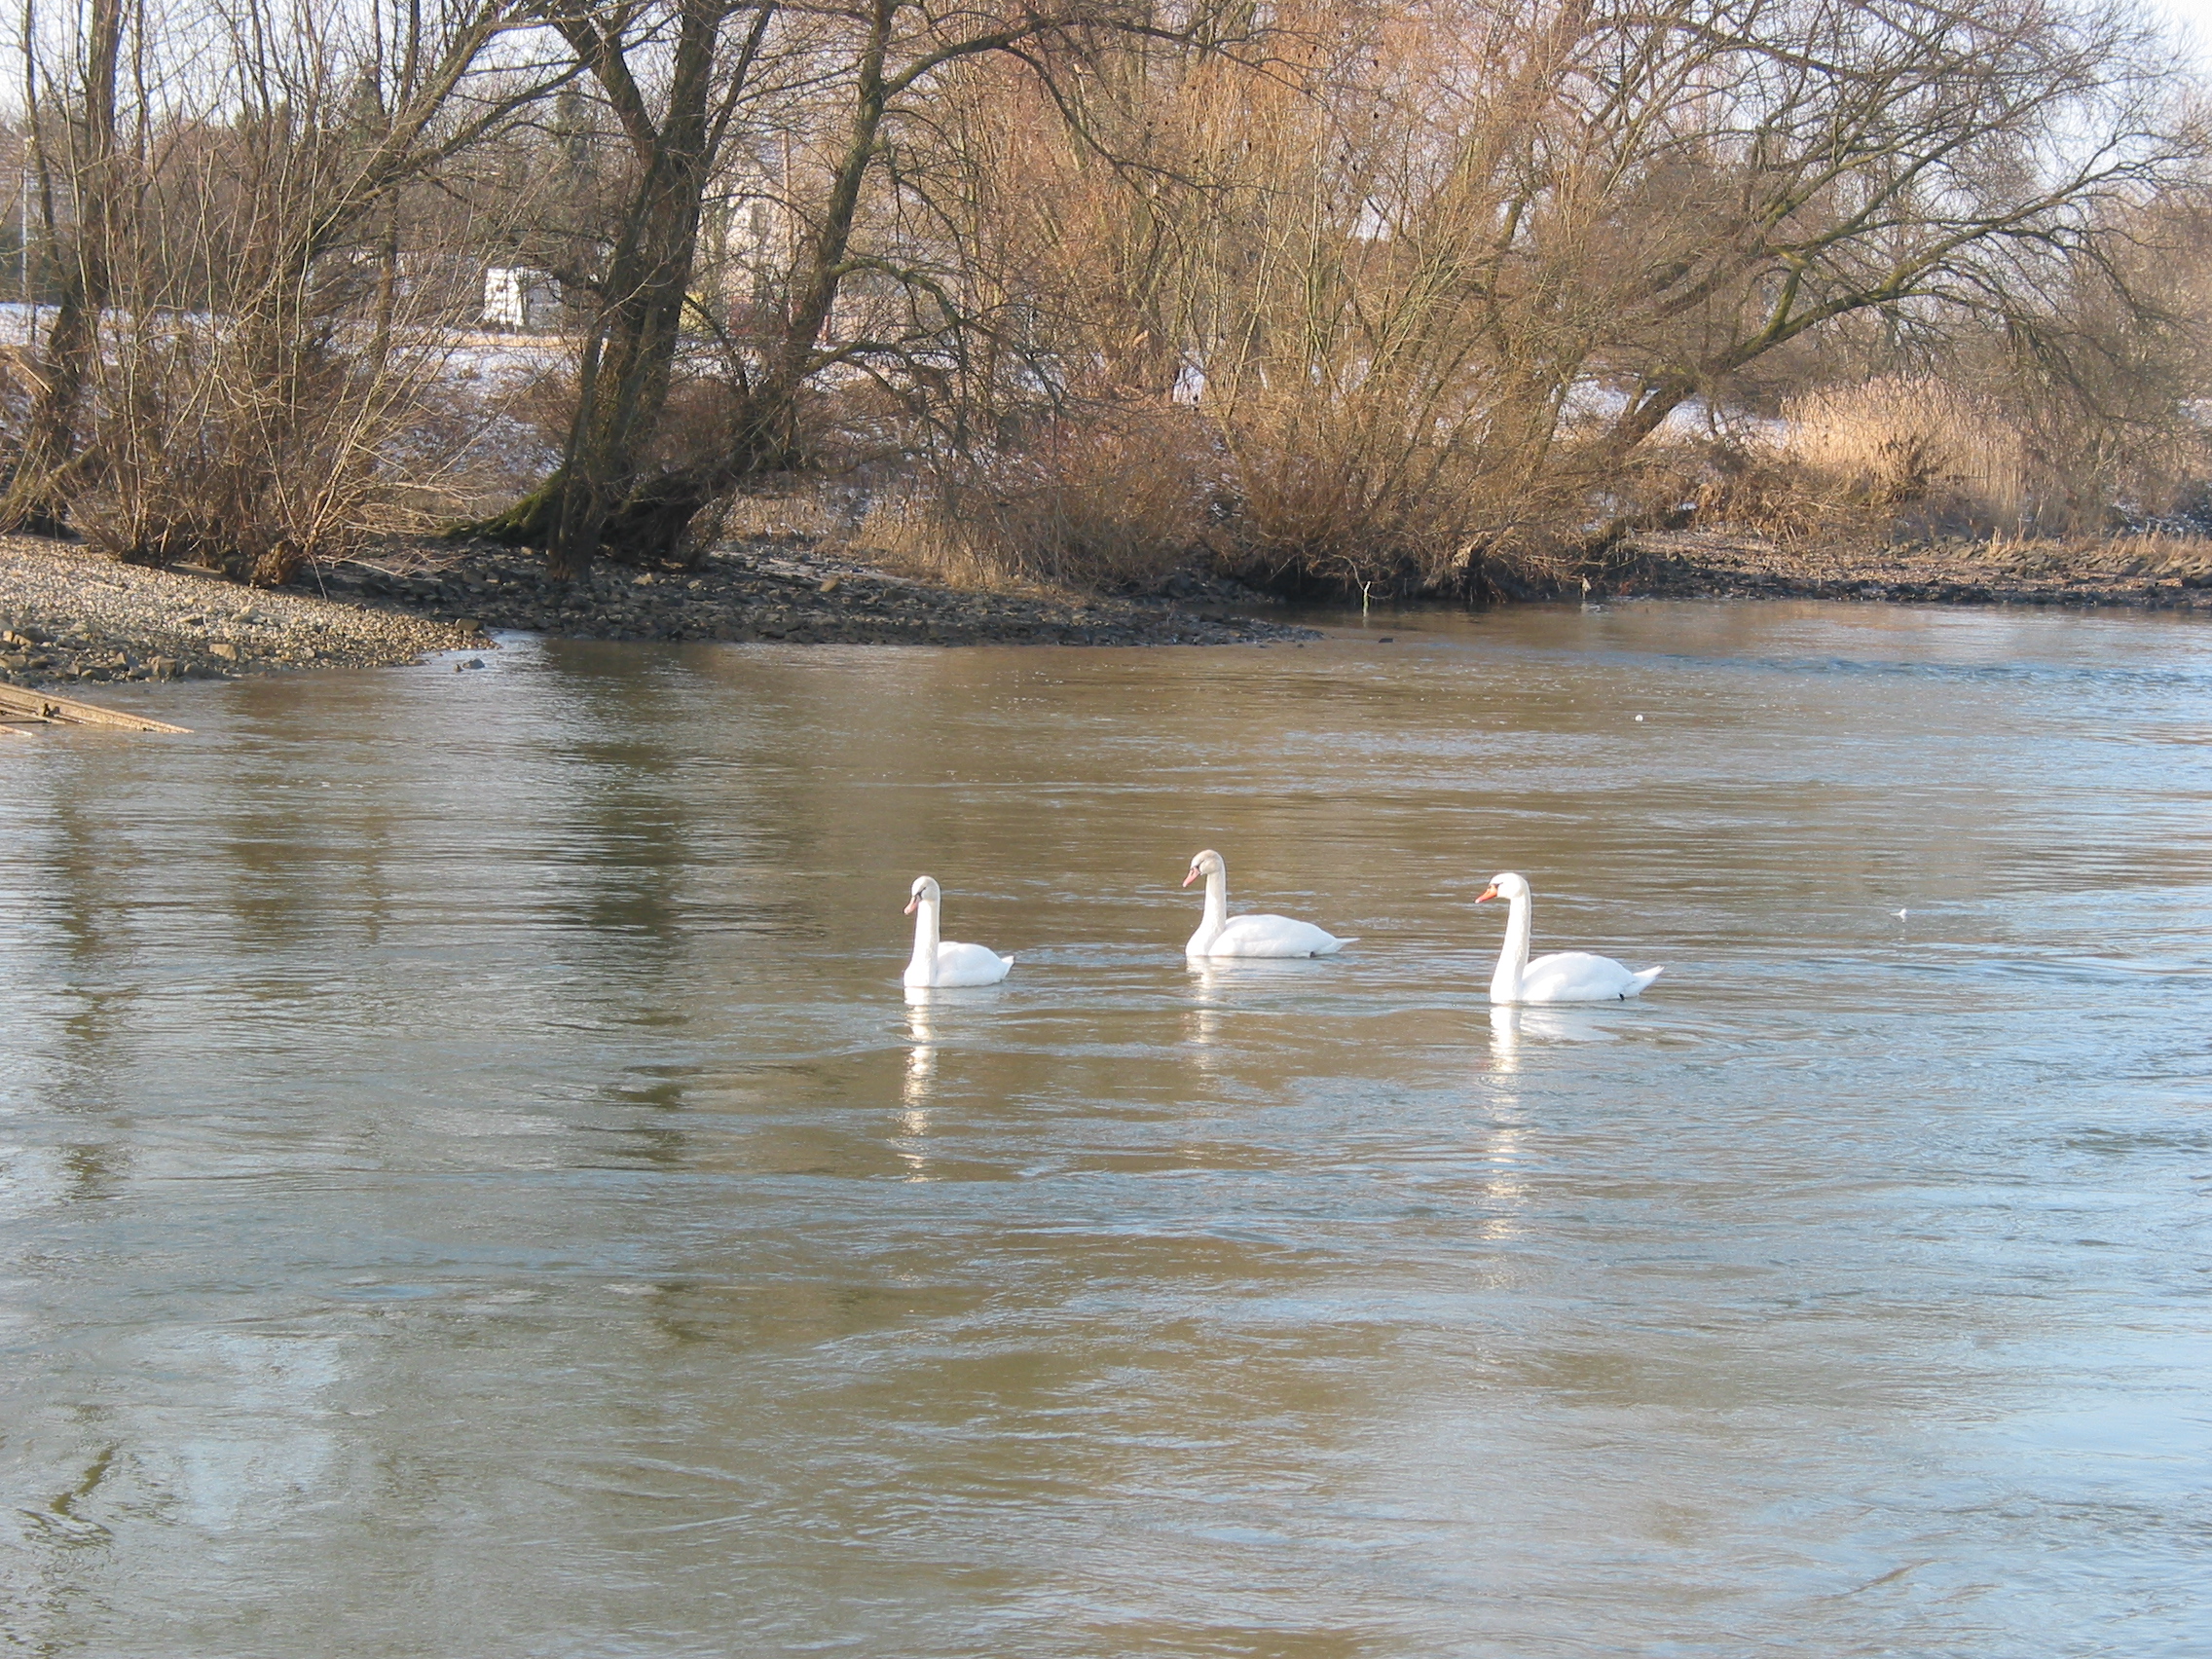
1505 984
925 941
1217 911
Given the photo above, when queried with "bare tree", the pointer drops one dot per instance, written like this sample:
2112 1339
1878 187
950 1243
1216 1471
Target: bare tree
1359 288
91 171
1441 270
848 77
214 265
632 341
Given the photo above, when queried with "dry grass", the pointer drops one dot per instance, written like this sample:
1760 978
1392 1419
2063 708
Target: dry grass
1911 458
2153 555
821 514
1919 445
1115 504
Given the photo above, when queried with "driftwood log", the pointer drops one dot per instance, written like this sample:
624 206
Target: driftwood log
22 710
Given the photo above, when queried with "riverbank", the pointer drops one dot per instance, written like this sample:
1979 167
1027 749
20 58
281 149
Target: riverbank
2152 572
72 617
786 590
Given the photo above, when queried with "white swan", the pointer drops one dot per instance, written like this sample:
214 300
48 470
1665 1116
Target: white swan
1224 935
1572 976
950 964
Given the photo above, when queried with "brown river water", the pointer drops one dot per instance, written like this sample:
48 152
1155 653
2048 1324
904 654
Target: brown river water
471 1185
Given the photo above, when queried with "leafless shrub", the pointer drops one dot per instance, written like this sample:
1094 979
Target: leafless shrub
234 370
475 436
817 514
1118 500
197 459
1446 273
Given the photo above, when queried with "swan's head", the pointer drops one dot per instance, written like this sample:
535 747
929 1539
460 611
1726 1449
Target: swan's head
1508 887
925 893
1207 862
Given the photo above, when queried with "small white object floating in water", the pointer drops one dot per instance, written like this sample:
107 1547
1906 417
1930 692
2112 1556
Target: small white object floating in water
1571 976
949 963
1223 935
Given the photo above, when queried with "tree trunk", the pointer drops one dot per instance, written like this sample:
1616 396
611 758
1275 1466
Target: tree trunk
631 353
653 514
604 500
601 500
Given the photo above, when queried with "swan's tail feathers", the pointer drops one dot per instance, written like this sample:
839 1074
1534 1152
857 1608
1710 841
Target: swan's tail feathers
1331 949
1637 981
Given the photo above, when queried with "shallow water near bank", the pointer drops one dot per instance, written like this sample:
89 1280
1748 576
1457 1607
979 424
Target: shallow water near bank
469 1177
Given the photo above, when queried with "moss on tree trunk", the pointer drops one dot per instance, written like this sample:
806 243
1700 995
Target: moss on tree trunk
646 528
528 523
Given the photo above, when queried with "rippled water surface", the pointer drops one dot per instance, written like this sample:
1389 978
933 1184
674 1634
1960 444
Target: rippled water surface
470 1184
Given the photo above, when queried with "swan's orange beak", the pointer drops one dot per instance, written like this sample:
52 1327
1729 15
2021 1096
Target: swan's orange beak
1488 892
910 903
1193 876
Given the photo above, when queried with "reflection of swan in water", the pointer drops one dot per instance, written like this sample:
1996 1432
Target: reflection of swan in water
1207 1001
1219 985
919 1086
1499 1174
1504 1039
1511 1025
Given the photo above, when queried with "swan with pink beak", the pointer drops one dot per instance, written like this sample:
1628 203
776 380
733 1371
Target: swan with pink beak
1222 935
943 964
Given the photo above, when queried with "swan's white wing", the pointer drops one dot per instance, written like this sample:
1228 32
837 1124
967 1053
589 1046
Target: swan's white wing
970 964
1575 976
1272 936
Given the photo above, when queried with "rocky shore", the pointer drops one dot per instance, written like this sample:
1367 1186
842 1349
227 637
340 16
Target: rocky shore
71 617
787 591
68 617
2142 573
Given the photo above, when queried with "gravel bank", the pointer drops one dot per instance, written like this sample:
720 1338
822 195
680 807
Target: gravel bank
71 617
785 591
2142 574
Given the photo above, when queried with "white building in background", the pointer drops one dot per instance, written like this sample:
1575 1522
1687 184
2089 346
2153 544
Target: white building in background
516 297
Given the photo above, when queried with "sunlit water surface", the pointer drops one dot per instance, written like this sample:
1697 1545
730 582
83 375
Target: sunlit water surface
470 1184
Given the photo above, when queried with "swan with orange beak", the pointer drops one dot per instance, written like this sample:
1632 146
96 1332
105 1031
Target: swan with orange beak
1571 976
